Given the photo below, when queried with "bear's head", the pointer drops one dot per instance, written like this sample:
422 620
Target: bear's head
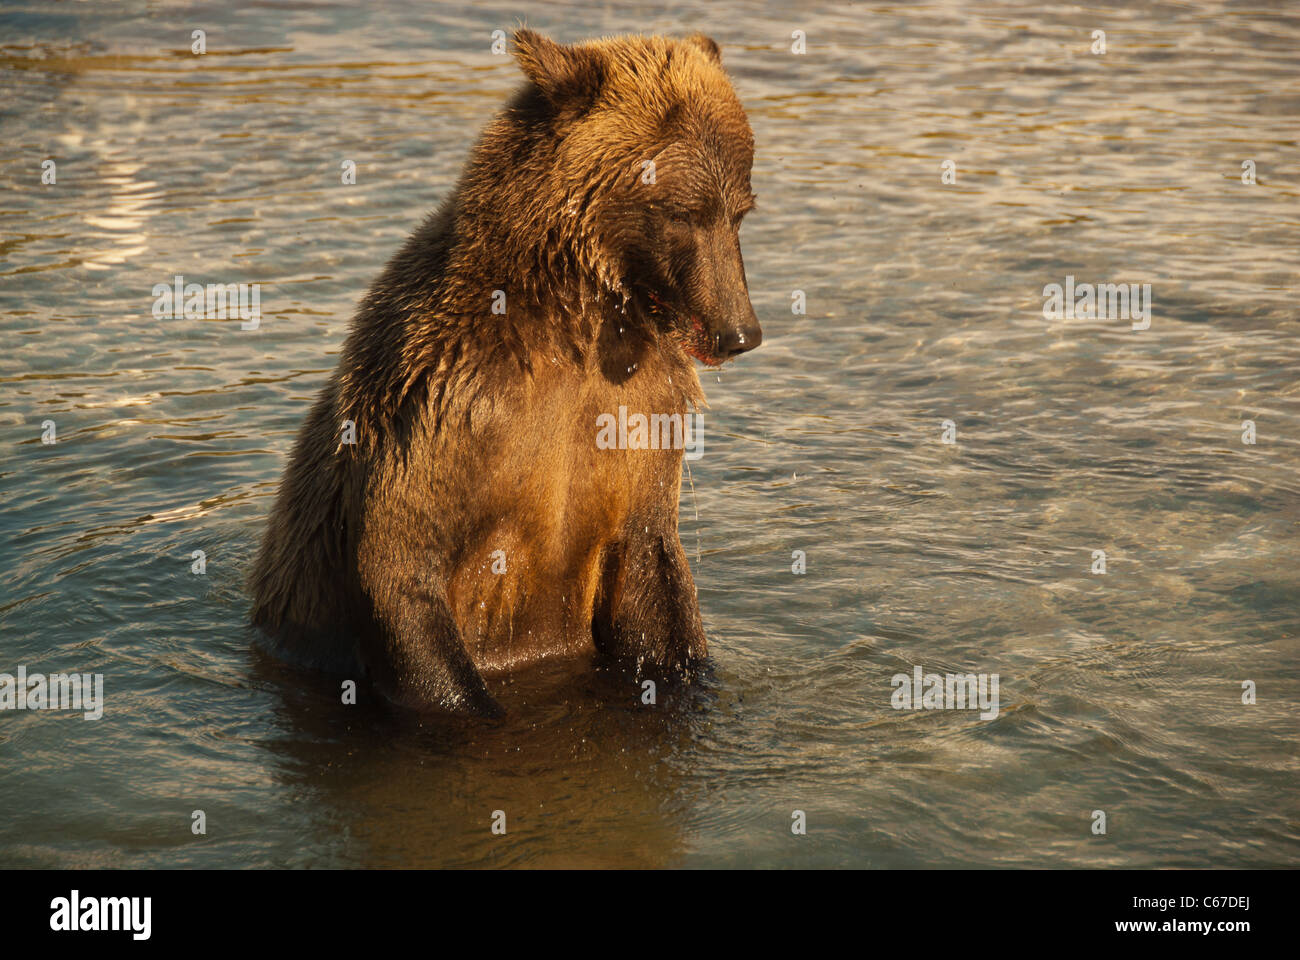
644 143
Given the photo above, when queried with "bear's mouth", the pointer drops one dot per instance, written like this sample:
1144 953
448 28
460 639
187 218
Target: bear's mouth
688 330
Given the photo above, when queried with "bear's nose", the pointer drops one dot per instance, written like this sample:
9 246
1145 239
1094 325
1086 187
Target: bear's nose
737 340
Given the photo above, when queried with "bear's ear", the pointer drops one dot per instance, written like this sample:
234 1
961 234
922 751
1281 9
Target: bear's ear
569 77
707 45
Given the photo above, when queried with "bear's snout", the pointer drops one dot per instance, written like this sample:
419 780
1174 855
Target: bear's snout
722 296
735 340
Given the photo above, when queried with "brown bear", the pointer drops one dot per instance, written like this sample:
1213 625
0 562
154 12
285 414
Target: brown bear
447 514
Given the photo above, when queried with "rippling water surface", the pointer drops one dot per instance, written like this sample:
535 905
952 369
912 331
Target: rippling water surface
1119 692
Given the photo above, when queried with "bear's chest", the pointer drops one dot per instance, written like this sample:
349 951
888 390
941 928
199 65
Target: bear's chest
594 466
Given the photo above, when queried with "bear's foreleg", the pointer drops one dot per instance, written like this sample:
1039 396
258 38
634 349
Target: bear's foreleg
423 663
648 610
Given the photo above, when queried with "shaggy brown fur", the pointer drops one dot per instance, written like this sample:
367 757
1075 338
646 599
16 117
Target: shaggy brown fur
475 431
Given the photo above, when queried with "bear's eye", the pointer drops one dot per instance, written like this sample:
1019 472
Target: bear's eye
681 218
740 214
